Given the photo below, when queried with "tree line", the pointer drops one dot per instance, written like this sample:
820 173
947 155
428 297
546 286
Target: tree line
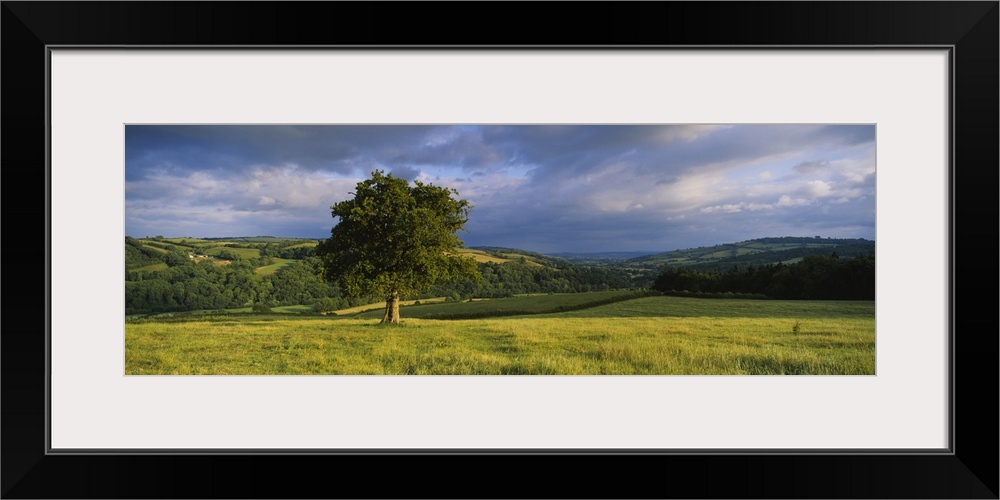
206 285
186 285
815 277
507 279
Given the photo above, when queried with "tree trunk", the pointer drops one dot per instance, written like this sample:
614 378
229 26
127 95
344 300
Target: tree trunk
391 315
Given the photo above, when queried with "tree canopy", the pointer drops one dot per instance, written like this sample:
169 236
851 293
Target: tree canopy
815 277
396 239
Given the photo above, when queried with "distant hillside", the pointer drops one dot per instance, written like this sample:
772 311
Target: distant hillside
590 256
500 255
756 252
155 254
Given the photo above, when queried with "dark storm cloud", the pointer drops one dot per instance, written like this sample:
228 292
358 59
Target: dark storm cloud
660 153
405 172
340 149
808 167
540 187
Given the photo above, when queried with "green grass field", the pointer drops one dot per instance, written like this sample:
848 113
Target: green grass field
188 242
481 256
292 309
648 336
273 268
155 248
246 253
308 244
380 306
525 304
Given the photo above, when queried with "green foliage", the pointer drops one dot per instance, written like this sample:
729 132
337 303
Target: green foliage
815 277
162 276
261 309
393 238
329 304
507 279
207 285
138 255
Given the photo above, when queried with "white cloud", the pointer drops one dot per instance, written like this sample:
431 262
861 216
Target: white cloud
731 208
226 201
817 189
294 188
728 208
788 201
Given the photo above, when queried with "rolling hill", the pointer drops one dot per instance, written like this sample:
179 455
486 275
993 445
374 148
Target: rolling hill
755 252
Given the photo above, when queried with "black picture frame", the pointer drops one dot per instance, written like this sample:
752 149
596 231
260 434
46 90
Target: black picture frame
969 28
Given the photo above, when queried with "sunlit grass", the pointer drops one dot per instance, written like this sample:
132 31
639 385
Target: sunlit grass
651 336
273 268
481 256
380 306
526 304
245 253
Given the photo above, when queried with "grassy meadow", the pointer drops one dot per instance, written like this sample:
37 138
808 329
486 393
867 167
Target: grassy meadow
514 306
274 268
655 335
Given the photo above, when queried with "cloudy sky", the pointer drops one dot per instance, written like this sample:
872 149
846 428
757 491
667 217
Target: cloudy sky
575 188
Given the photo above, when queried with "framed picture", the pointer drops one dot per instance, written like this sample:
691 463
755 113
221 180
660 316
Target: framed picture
918 79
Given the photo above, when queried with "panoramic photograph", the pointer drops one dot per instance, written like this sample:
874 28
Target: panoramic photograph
470 249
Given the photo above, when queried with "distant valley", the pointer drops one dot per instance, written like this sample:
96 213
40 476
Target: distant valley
755 252
187 274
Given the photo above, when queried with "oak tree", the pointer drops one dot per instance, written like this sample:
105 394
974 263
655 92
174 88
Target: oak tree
394 239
